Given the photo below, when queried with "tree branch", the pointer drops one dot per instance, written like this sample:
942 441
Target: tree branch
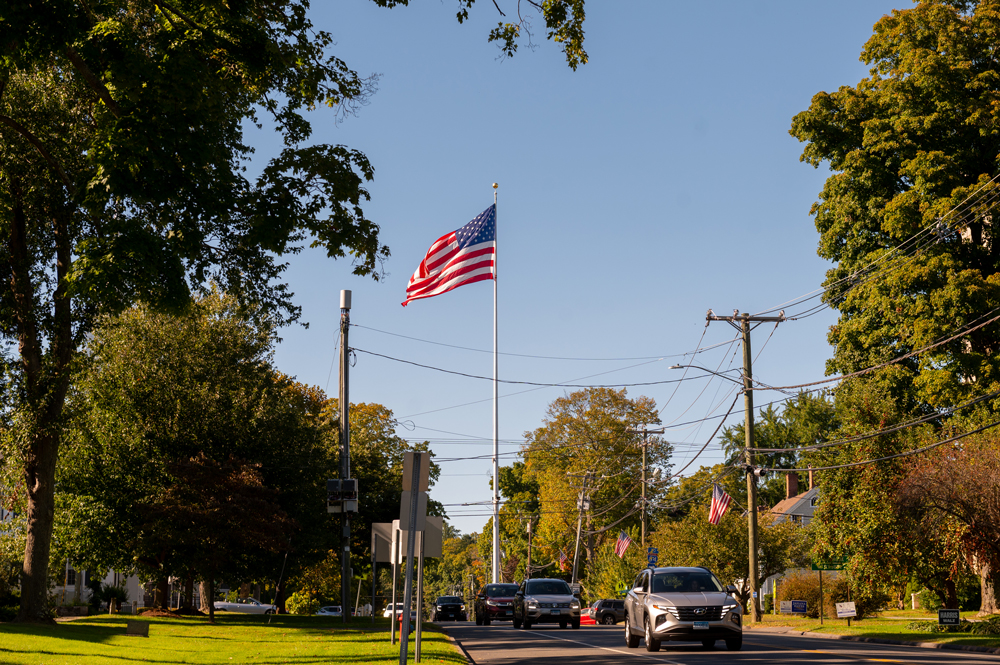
94 82
30 138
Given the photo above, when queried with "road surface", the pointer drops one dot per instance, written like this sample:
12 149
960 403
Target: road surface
500 644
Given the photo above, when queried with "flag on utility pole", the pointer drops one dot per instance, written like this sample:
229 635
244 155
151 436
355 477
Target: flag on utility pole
720 504
622 544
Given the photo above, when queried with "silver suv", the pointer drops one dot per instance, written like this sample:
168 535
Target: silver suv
682 604
546 601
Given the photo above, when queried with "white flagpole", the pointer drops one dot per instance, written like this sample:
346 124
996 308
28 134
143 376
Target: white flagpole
496 445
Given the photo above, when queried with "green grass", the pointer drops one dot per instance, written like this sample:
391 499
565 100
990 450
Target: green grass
884 628
234 639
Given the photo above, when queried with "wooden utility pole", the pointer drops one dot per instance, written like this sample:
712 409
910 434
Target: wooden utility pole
582 504
645 442
742 323
345 453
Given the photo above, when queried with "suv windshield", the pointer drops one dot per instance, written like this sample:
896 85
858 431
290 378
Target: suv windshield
494 590
685 582
448 599
546 587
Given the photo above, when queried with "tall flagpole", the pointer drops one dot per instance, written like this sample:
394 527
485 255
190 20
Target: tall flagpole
496 445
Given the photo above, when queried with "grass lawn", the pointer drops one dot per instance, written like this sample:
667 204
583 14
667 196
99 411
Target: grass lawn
234 639
888 628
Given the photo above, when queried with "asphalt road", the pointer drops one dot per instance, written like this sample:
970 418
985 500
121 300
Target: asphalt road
499 643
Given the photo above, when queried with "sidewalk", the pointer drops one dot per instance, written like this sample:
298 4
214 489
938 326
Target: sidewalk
872 640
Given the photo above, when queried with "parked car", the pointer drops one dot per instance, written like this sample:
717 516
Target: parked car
608 612
330 611
246 605
494 602
387 612
546 601
449 607
682 604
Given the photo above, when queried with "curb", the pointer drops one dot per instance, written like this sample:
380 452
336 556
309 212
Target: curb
458 645
879 640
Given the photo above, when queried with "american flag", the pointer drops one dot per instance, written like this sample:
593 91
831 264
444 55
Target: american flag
622 544
720 504
562 560
457 258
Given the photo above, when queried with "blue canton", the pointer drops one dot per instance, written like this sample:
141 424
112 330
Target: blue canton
481 229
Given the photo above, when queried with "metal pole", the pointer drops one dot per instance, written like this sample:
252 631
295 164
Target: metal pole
751 478
527 570
496 399
374 566
643 507
420 596
395 576
404 635
821 597
345 452
579 523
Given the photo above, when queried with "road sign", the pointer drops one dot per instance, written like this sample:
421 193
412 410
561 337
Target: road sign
948 618
621 588
652 556
845 610
408 471
830 564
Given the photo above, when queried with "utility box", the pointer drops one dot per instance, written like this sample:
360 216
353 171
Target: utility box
342 495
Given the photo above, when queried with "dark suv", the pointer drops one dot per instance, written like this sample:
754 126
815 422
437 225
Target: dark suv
449 607
608 612
495 602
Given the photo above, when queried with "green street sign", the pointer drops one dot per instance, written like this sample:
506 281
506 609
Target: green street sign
830 564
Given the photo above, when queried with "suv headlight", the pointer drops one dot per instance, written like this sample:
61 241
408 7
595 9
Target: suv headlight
665 608
575 604
491 603
730 606
463 608
439 607
532 603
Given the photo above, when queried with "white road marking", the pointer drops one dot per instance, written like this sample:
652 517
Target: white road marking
629 652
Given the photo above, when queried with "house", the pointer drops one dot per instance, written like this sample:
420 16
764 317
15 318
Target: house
797 508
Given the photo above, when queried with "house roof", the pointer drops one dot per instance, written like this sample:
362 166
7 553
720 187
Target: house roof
788 506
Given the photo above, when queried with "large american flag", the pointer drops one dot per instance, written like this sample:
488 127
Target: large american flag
720 504
460 257
622 544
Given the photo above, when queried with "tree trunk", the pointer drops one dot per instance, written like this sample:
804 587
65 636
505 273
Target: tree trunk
988 586
211 599
951 595
39 477
187 601
161 597
78 587
205 596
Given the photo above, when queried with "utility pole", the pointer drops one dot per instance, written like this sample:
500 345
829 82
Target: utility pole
742 323
645 432
345 452
527 570
583 503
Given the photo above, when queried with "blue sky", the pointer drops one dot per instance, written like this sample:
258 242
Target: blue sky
652 184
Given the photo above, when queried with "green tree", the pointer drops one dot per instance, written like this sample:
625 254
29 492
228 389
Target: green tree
611 576
906 145
163 397
594 432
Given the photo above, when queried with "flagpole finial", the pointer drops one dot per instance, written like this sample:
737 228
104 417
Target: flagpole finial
495 185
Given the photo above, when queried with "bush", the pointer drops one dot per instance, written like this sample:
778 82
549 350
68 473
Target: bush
8 612
802 586
301 603
987 626
867 604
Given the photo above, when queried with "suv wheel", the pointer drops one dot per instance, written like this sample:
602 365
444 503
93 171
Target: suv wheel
735 644
651 643
526 624
517 622
608 620
575 623
631 641
486 618
479 619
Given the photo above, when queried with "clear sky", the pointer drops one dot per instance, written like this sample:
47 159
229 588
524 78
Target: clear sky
652 184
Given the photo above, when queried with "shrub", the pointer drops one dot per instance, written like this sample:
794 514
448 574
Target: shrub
301 603
987 626
802 586
867 604
8 612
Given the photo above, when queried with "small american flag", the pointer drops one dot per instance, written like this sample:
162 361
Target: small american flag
622 544
562 560
720 504
461 257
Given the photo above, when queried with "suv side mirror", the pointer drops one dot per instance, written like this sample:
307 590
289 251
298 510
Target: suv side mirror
731 589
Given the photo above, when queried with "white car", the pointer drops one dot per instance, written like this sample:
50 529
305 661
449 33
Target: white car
245 605
387 612
330 611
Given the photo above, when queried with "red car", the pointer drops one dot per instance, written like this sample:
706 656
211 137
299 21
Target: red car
495 602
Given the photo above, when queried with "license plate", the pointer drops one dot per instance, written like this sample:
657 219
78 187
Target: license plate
555 611
701 625
507 612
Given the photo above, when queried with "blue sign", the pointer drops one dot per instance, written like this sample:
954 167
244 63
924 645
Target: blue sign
798 607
